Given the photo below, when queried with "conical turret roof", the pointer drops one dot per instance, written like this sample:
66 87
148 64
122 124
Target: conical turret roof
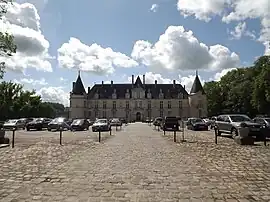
78 87
197 86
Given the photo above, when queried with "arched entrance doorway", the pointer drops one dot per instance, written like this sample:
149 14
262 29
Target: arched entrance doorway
138 116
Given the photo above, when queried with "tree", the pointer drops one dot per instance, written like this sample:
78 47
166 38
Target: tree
18 103
245 90
7 46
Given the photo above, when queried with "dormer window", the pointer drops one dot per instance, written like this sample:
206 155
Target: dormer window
114 95
127 94
180 95
97 95
161 95
149 96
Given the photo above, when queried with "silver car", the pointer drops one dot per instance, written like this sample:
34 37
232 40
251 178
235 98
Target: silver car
230 123
101 125
14 124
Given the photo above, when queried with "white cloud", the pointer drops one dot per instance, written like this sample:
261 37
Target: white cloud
218 75
241 30
94 58
41 82
23 21
154 8
39 4
54 94
230 10
178 49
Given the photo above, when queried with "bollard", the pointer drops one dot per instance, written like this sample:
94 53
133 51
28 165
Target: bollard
61 130
13 137
183 132
110 131
163 132
174 135
99 135
216 135
158 128
264 141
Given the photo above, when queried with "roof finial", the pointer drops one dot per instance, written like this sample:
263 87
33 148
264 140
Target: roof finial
196 72
79 72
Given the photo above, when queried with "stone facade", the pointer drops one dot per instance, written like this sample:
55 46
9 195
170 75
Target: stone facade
137 100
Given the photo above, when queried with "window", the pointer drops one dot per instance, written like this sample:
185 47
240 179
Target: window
96 104
220 118
120 104
138 94
149 114
140 104
180 105
169 104
136 104
84 104
127 114
127 104
96 114
161 113
89 114
104 105
114 114
85 113
149 104
96 96
114 104
180 96
104 114
161 105
200 104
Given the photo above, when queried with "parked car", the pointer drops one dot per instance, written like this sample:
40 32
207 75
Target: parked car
14 124
90 122
38 124
170 123
158 121
207 121
265 124
230 123
101 125
196 124
124 121
115 122
79 124
58 123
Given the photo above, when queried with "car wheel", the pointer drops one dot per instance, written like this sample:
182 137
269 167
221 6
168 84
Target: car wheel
49 129
234 133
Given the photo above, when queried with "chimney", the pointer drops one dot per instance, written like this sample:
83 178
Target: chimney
143 79
111 83
132 80
155 83
89 90
73 85
173 83
102 82
185 87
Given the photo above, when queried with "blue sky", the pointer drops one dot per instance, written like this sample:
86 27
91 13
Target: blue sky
118 24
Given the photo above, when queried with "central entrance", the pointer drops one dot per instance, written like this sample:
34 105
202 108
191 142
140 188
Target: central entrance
138 116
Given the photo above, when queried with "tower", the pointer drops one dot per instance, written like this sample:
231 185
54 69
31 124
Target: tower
197 99
78 99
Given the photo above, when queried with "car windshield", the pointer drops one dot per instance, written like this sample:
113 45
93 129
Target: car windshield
101 121
239 118
197 120
12 121
77 121
60 120
115 120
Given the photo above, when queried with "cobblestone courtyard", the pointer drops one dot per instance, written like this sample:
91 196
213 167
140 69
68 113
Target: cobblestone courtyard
134 164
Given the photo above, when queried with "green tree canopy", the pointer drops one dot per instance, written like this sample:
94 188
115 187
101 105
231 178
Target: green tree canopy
7 46
244 90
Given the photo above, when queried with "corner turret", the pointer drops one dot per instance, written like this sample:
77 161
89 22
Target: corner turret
197 99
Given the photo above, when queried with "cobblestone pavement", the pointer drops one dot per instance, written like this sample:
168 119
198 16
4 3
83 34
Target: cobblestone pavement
137 164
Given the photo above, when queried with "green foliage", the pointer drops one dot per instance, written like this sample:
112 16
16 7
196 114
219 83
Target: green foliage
7 46
244 90
17 103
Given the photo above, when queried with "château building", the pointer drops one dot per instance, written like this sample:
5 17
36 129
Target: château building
137 100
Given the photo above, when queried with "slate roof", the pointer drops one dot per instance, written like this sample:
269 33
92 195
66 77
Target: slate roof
197 86
78 89
106 91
